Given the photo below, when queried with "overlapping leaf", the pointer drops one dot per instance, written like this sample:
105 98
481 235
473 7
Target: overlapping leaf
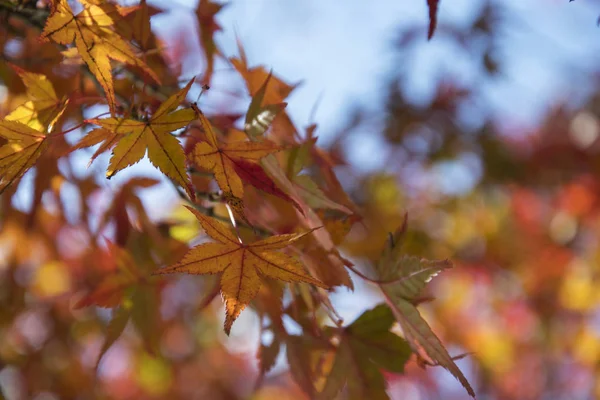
25 144
272 91
40 110
407 277
230 160
24 147
241 264
366 346
95 40
134 137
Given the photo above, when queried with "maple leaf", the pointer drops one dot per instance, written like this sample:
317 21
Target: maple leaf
241 264
366 346
164 150
222 158
407 277
99 135
40 111
95 40
25 145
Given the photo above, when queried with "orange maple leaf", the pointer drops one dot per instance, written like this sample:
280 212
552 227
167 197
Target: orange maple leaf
221 158
134 137
95 40
241 264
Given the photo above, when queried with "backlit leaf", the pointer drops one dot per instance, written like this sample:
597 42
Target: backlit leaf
241 264
40 111
221 158
95 40
164 150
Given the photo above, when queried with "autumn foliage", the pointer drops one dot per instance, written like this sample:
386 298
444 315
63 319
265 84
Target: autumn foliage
263 217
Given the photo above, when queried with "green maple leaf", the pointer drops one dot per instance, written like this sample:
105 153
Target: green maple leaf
366 347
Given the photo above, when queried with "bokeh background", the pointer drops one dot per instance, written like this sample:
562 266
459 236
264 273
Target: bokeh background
487 136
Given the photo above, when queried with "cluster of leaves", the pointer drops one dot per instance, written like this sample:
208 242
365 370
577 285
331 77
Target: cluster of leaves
280 216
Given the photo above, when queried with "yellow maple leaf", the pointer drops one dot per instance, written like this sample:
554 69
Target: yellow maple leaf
95 40
95 136
134 137
24 143
24 147
241 264
40 111
221 158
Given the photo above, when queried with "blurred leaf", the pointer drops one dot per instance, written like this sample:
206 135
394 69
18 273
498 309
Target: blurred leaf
208 26
110 290
366 346
258 125
267 355
256 105
145 311
313 195
298 351
115 328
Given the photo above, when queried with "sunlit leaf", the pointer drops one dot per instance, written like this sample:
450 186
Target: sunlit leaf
241 264
164 150
222 158
95 40
40 112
